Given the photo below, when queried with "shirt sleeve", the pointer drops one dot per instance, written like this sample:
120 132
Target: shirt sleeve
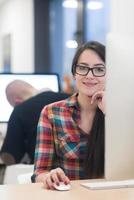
44 151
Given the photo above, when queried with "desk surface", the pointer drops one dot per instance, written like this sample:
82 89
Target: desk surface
35 191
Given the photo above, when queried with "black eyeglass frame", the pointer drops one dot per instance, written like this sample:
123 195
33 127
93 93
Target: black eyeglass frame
90 69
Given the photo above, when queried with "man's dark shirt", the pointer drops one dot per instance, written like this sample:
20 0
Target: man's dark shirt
22 126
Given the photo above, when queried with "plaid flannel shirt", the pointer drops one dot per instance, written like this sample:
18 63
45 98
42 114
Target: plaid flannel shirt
60 141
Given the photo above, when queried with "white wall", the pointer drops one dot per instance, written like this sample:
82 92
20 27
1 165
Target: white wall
16 18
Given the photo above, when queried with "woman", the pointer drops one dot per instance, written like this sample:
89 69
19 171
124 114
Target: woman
70 141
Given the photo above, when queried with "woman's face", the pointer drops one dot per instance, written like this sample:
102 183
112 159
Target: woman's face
89 84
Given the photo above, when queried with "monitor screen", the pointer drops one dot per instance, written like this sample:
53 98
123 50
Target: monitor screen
39 81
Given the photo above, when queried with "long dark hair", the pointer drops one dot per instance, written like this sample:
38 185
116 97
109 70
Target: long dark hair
94 161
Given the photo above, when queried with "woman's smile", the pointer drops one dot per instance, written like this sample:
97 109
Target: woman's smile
89 84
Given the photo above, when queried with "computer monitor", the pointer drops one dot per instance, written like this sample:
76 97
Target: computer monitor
39 81
119 140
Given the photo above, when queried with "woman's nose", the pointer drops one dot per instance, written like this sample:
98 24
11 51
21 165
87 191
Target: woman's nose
90 74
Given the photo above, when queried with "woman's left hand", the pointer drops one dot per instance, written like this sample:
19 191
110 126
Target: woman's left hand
99 97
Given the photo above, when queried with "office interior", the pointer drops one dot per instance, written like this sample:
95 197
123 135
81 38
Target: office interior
39 36
42 36
36 36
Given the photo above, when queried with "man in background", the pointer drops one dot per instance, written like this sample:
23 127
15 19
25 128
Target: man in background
20 140
18 91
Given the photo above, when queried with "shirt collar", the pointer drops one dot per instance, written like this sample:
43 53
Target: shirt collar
73 101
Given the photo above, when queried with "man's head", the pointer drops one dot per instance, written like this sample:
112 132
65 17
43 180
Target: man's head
18 91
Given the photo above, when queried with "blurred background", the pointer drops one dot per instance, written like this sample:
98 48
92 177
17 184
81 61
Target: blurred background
41 36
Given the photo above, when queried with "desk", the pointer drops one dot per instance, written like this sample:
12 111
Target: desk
35 191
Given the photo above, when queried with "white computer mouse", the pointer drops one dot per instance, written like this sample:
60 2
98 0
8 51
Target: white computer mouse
62 186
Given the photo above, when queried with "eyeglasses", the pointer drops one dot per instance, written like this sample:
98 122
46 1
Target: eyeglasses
97 71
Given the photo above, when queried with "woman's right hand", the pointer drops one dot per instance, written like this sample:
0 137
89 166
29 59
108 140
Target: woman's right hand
99 97
55 176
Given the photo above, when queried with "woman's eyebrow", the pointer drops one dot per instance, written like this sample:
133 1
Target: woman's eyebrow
91 65
99 64
83 64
